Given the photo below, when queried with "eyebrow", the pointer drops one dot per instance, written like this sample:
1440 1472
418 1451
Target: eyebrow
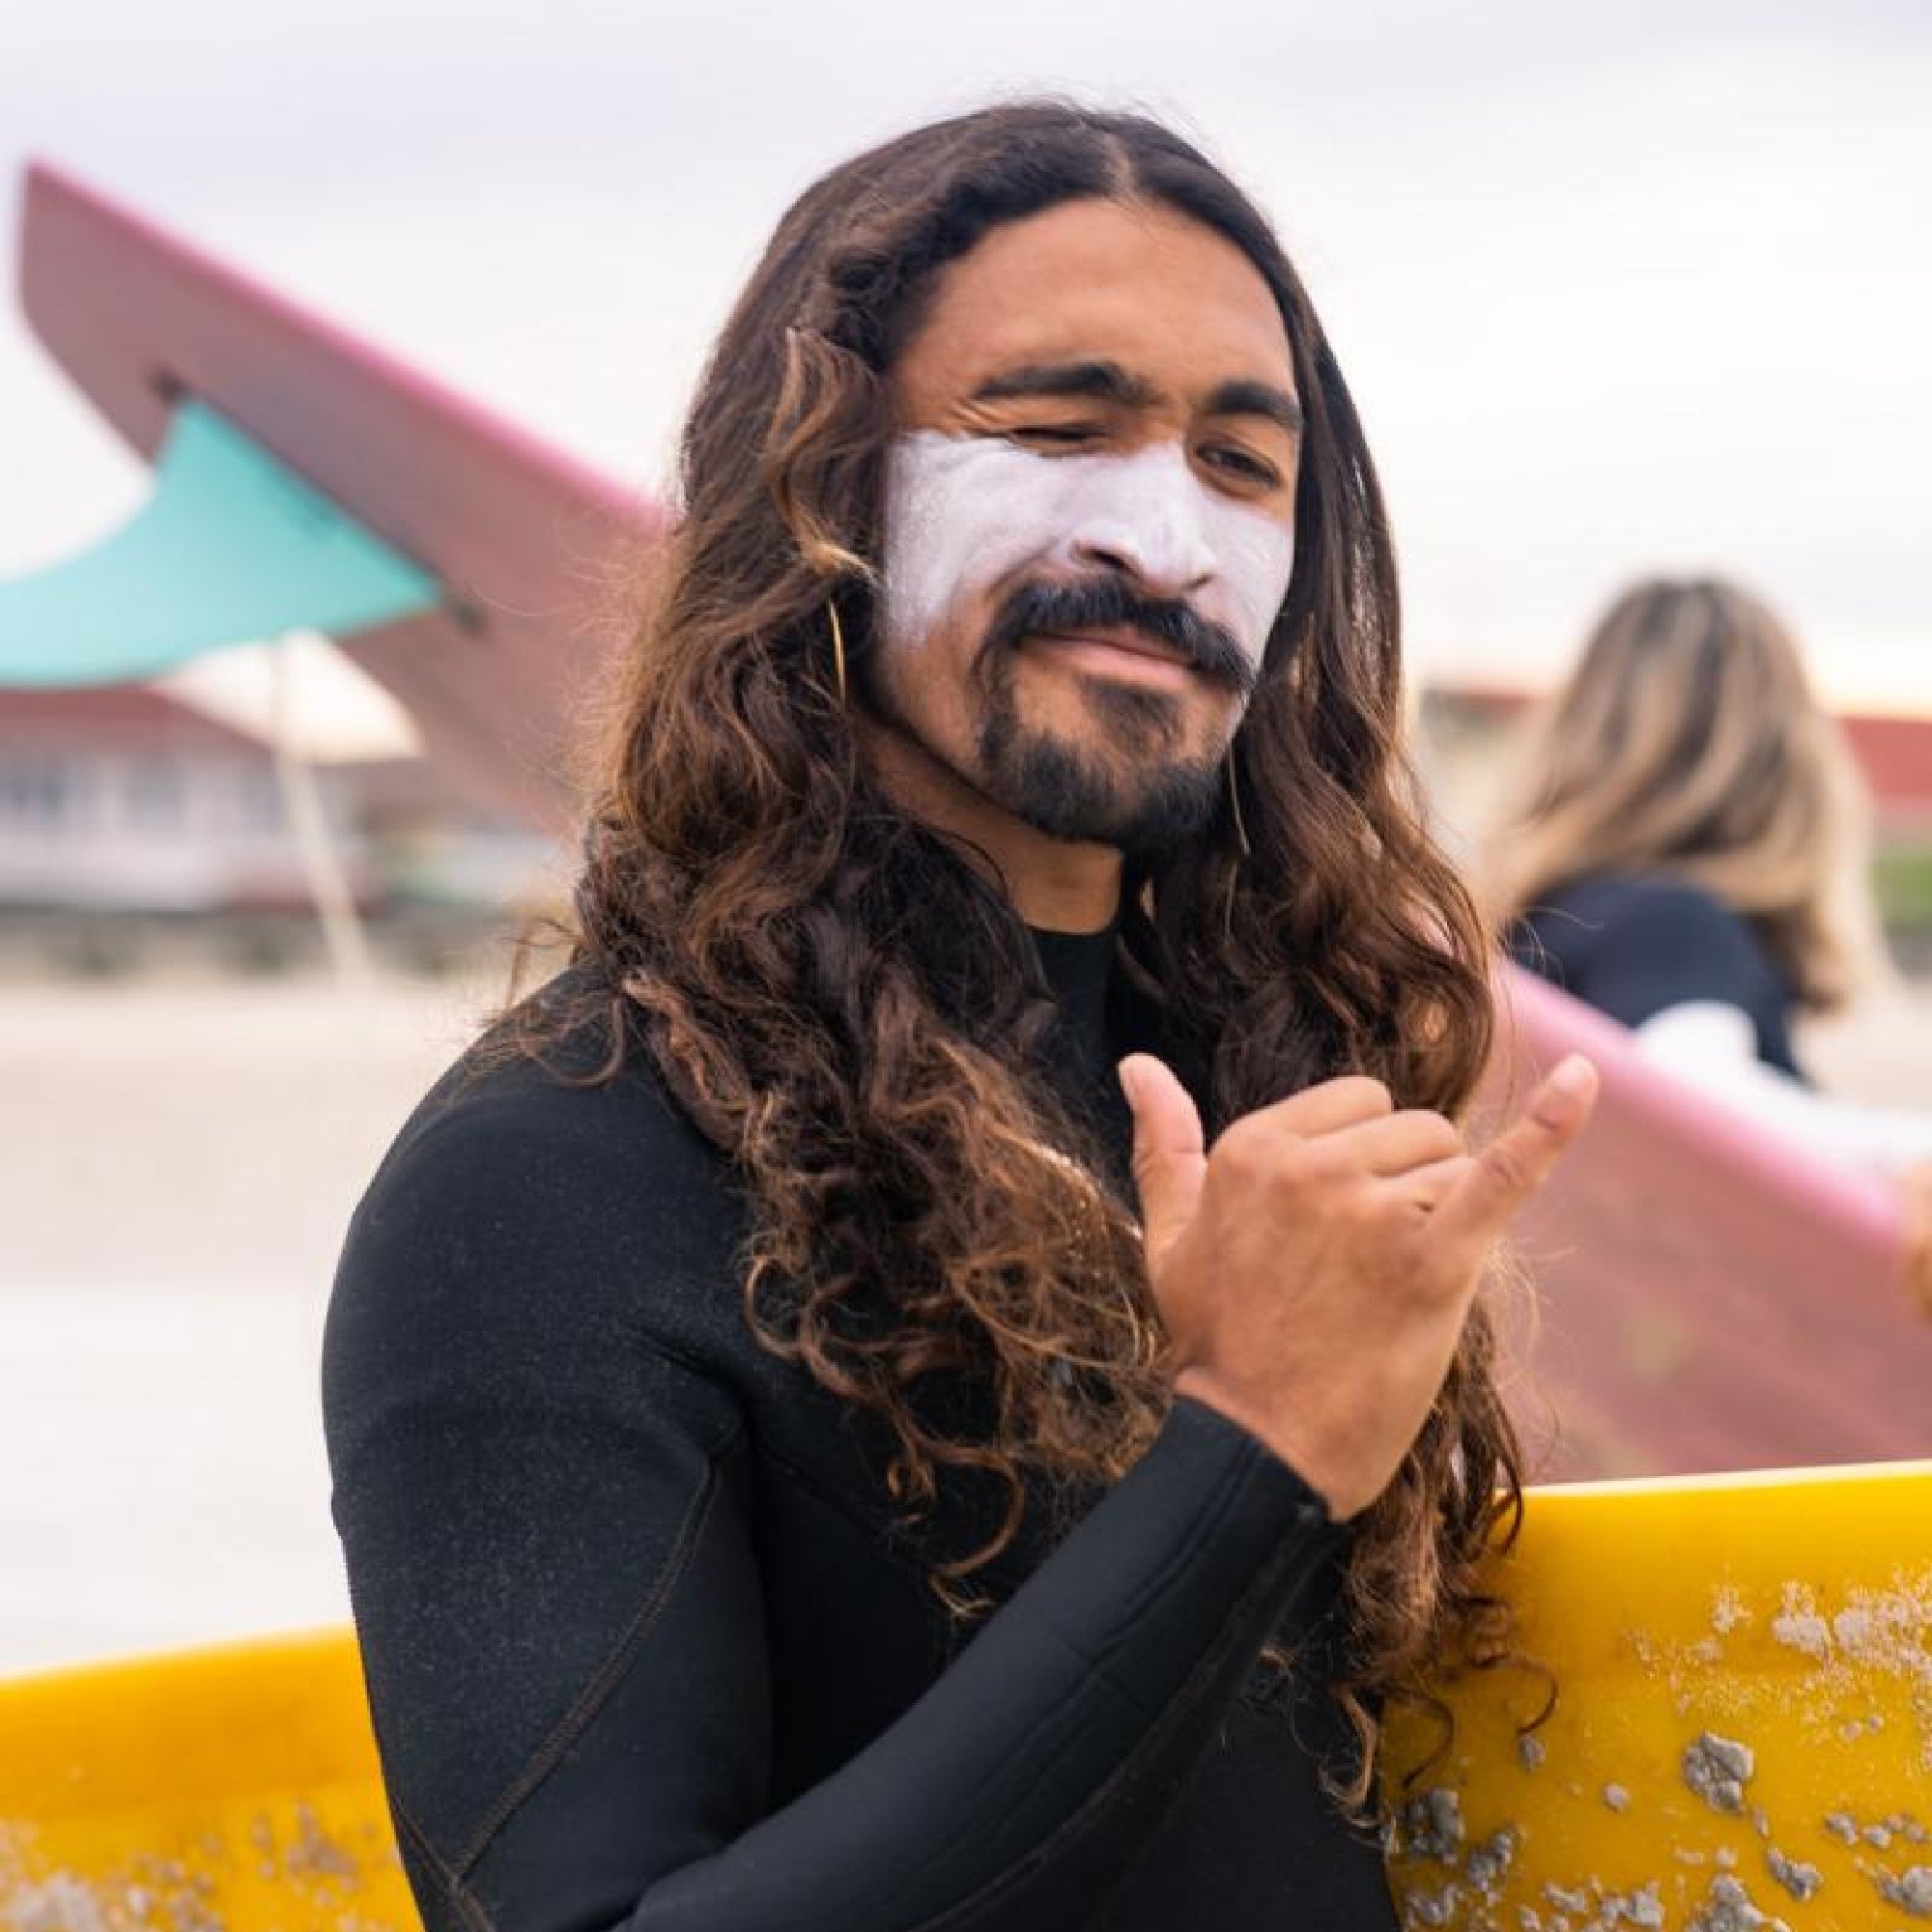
1109 382
1257 399
1105 382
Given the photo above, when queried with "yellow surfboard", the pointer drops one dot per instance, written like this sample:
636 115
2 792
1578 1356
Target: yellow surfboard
230 1790
1741 1732
1740 1737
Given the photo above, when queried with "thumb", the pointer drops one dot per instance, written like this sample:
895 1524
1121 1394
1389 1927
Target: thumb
1169 1154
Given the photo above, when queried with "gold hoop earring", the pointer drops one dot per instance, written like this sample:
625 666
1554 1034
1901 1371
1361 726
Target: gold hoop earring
838 652
1235 806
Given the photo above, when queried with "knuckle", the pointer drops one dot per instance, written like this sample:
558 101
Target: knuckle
1360 1205
1368 1205
1369 1091
1244 1153
1296 1170
1509 1168
1313 1164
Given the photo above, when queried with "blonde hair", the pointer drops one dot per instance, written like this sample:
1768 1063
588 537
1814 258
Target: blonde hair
1688 742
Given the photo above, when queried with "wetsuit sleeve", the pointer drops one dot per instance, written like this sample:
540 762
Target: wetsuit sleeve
550 1542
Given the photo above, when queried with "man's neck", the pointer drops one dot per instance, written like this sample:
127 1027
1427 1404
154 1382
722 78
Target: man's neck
1055 884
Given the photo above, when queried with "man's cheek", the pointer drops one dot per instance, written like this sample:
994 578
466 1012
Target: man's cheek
962 515
932 682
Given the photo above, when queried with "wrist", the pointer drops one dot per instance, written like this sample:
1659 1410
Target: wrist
1200 1385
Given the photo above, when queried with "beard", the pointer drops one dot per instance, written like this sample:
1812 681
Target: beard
1137 793
1139 798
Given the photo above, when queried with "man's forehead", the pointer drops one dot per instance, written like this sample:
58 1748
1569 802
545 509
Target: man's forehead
1164 297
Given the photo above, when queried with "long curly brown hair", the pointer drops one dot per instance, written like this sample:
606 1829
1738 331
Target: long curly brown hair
842 999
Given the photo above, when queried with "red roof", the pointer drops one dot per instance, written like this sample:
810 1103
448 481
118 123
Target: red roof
113 717
1896 754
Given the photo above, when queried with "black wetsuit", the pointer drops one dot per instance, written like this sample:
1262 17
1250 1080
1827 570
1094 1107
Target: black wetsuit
1636 945
647 1646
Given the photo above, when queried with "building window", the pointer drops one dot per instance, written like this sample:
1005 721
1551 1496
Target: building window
34 792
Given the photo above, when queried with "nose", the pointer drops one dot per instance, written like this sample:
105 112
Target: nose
1142 518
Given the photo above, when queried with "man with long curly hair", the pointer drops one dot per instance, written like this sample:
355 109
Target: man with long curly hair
819 1437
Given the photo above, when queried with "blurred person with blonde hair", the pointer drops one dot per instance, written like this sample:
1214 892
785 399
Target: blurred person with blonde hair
1687 850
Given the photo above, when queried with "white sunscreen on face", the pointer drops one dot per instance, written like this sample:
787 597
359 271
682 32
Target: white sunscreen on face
963 512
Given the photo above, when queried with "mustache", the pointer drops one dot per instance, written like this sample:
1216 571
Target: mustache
1105 603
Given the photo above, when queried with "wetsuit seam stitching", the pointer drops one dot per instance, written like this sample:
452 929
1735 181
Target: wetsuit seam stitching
1129 1773
467 1906
1114 1790
604 1681
673 1358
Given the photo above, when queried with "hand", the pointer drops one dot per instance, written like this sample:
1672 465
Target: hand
1315 1268
1915 1261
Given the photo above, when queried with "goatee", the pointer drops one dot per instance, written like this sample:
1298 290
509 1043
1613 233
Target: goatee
1068 793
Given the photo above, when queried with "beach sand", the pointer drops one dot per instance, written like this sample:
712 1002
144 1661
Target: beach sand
180 1162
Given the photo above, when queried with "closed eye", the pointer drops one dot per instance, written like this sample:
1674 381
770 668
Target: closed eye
1062 434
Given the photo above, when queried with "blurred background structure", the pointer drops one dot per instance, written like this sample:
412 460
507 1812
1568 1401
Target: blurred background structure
1615 292
1468 731
140 831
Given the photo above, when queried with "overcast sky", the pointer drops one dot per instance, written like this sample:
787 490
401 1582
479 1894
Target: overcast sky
1617 287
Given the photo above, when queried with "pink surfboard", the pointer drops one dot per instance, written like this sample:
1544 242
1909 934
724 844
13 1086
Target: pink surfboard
1710 1297
522 536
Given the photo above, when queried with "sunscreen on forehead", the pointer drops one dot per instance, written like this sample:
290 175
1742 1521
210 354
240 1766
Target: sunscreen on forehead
963 512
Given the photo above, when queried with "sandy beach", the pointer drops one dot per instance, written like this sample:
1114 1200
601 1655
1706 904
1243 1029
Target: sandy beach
181 1160
181 1163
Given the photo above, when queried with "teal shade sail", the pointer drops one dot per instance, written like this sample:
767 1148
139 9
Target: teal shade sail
231 547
